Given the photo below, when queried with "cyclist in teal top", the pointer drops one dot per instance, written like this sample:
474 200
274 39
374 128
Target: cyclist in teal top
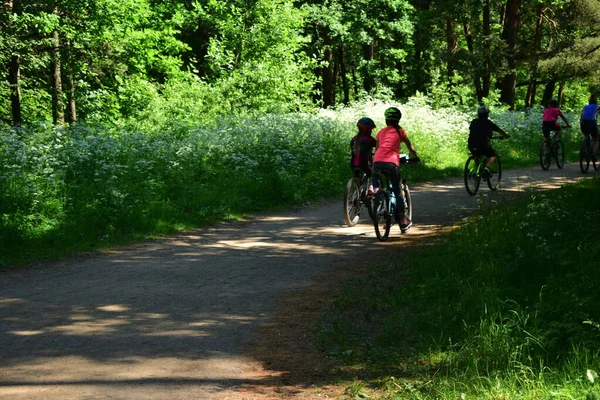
588 123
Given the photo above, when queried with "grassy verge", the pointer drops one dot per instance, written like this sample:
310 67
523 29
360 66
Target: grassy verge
505 307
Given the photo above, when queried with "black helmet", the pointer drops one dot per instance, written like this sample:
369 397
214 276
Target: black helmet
553 103
483 112
365 123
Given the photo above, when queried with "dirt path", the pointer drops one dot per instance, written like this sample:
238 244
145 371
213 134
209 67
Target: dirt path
172 319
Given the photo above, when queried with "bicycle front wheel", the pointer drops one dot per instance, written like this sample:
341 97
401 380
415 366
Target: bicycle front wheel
584 157
472 178
559 154
496 170
545 155
382 218
352 204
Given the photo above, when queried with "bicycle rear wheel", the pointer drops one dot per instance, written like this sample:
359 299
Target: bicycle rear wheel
545 156
382 217
352 204
472 178
559 153
584 157
496 170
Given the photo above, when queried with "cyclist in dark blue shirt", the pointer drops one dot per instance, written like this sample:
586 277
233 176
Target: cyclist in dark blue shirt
588 123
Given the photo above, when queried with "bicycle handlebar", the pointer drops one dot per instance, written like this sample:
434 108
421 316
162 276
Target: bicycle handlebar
406 160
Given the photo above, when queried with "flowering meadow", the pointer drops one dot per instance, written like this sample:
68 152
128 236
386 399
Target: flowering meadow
65 189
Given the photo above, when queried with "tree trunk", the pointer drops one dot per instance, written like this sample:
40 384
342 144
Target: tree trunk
548 91
421 37
355 84
344 75
14 75
399 91
510 36
476 79
561 92
58 114
71 107
200 44
537 40
451 46
328 73
486 79
368 56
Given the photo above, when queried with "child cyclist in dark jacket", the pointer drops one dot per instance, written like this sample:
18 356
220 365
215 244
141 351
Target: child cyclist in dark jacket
480 132
362 146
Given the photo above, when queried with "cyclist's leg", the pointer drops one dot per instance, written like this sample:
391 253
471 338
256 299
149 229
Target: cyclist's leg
489 152
395 180
366 178
547 128
594 136
376 175
355 170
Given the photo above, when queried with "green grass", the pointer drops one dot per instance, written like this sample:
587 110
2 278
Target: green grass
505 307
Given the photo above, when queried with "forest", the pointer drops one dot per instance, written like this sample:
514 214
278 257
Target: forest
105 61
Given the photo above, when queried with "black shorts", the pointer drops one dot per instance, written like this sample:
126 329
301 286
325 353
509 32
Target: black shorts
589 127
549 126
482 149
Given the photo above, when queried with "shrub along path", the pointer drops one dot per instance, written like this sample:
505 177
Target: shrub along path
226 312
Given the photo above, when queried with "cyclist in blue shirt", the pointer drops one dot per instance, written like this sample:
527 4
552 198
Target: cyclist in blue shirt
588 124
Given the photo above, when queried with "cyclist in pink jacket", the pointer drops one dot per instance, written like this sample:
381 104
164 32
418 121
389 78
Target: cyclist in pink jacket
550 120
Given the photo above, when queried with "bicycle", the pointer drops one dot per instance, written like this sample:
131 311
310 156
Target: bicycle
355 198
586 154
384 203
473 172
555 149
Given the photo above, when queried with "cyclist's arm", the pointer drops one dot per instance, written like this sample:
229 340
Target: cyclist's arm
501 131
411 149
564 119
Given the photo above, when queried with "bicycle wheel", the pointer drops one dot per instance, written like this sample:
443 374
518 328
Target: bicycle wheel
472 178
584 157
559 153
496 170
352 204
545 156
383 219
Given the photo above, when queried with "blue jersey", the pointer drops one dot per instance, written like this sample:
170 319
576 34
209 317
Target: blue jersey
589 112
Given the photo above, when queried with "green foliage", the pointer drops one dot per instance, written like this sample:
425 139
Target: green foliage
64 188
